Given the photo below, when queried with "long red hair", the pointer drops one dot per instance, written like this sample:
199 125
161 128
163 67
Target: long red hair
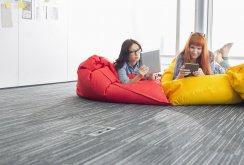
198 39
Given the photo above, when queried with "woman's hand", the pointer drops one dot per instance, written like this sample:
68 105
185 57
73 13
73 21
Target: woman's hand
143 70
198 73
183 72
154 76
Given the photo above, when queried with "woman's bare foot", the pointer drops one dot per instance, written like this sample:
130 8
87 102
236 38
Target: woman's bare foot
225 49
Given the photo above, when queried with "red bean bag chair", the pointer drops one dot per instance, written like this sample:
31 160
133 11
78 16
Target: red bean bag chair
98 80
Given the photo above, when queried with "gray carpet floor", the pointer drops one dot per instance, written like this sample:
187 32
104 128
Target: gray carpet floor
49 124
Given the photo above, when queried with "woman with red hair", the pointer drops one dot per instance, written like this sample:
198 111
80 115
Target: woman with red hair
196 51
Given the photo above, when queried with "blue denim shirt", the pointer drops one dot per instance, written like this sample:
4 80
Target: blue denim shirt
127 69
215 69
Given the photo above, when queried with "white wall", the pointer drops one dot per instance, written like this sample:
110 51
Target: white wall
34 51
9 52
96 27
43 49
39 51
47 51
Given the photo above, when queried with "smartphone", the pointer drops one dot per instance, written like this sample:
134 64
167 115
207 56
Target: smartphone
192 66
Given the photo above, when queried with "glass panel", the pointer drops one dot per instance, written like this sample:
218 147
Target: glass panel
154 24
227 27
187 19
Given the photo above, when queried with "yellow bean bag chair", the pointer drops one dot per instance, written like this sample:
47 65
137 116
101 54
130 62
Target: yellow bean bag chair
236 77
210 89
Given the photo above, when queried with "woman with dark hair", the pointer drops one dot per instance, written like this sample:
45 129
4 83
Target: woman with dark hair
128 63
196 51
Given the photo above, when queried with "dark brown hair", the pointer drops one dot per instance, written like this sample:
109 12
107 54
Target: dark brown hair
124 53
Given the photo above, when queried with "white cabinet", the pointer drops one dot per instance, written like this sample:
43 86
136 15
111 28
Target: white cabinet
34 51
43 49
9 52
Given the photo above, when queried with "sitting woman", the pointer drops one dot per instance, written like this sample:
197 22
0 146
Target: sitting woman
196 51
128 63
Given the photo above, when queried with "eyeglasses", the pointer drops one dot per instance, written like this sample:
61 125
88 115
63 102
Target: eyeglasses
135 51
201 34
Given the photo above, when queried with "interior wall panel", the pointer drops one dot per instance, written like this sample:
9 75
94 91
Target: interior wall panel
9 51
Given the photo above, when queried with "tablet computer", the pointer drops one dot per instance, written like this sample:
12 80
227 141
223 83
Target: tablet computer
192 66
152 60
